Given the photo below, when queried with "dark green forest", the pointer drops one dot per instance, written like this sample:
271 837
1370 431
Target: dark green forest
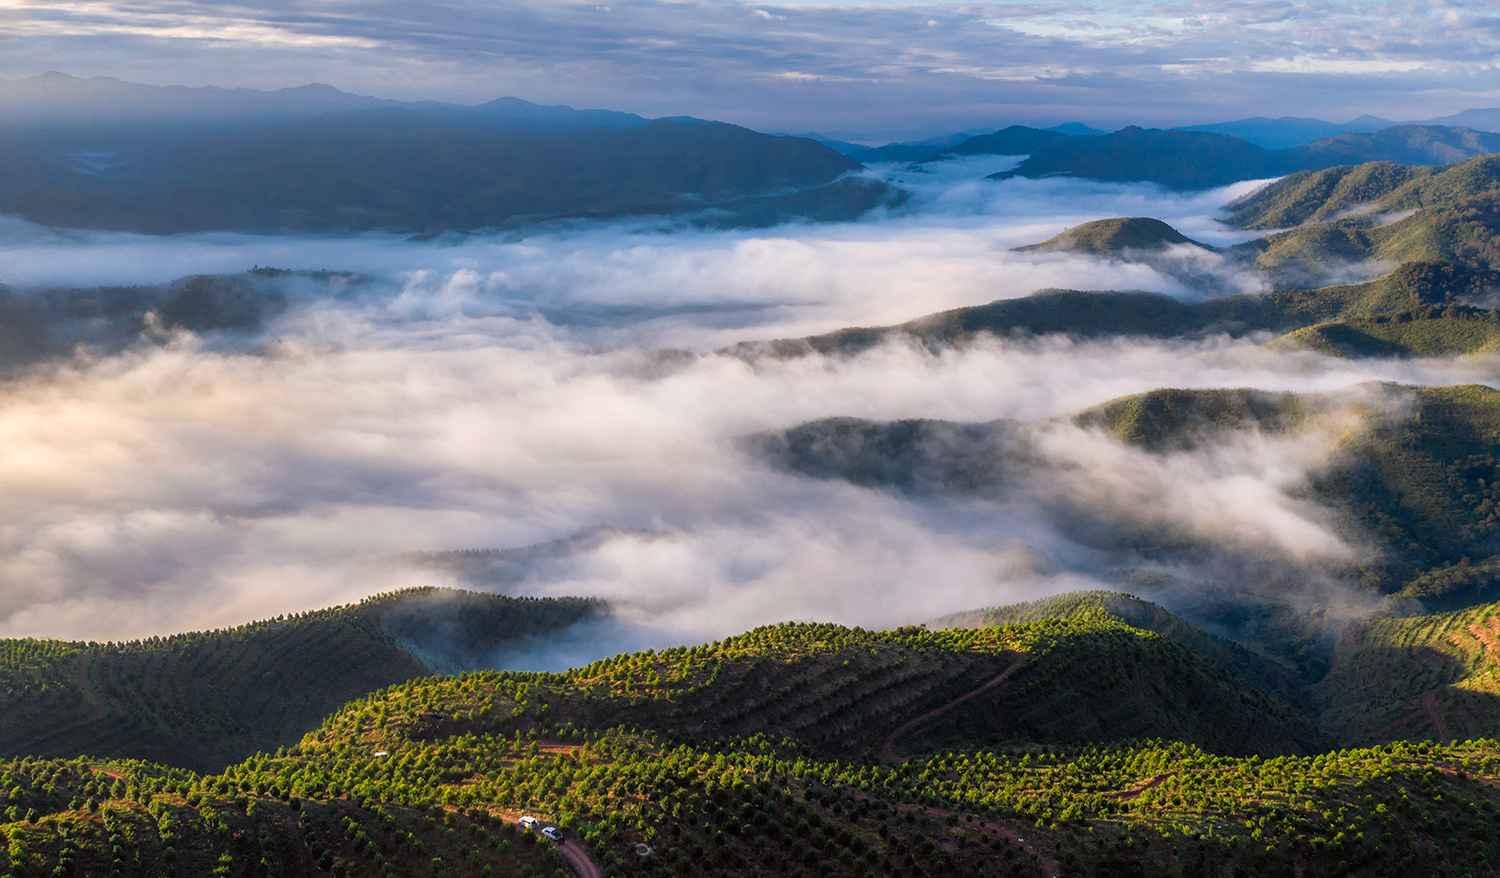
1070 743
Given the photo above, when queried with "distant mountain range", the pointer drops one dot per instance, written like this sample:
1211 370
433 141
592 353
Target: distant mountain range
56 104
107 154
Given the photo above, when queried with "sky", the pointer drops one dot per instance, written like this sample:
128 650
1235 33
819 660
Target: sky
834 67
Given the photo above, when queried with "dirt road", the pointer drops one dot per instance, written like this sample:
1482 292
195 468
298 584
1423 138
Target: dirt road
578 860
888 746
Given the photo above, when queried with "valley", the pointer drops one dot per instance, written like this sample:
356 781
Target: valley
1028 502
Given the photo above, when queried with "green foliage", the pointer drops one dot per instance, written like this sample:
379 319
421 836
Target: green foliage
1417 478
445 806
1249 666
1109 237
1428 332
1449 214
205 699
843 692
1434 676
1411 288
1167 420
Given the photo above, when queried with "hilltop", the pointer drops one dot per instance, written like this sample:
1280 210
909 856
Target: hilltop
1377 211
1120 235
205 699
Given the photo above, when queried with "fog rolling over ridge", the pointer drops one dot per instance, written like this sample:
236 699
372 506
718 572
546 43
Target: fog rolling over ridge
499 392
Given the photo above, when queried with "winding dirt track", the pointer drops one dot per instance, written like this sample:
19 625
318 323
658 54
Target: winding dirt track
888 746
1429 701
578 859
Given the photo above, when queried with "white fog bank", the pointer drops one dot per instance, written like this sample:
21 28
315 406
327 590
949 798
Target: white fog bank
492 392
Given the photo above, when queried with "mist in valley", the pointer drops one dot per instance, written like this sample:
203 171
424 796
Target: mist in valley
565 388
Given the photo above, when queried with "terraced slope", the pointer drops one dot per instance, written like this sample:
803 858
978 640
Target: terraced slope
1434 677
634 805
1252 667
204 700
843 692
671 764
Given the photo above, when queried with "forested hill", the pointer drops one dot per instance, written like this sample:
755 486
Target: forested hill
1413 293
1061 745
400 170
206 699
785 750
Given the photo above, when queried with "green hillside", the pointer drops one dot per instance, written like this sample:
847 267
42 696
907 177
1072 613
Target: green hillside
845 692
1253 667
1322 196
1378 211
1418 477
1170 420
1117 236
206 699
1435 677
1412 289
1432 332
426 778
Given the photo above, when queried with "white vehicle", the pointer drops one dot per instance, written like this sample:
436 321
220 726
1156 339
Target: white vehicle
529 822
554 834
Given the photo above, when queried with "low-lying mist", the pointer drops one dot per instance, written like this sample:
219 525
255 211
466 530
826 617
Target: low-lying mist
503 392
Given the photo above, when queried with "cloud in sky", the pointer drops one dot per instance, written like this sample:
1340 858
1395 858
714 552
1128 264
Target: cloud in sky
828 66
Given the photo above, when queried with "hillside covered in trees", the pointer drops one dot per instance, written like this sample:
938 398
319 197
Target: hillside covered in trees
203 700
1054 739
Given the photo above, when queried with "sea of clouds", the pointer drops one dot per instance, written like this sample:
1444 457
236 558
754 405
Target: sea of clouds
507 390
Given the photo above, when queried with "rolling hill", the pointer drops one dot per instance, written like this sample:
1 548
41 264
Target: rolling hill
206 699
1377 211
426 778
1415 677
1116 236
1412 290
1185 159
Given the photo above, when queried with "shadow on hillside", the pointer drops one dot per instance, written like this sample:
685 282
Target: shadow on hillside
1405 693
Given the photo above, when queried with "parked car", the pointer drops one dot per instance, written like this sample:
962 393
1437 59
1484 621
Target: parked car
529 822
553 833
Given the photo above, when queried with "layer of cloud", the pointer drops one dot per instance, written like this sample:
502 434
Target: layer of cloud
828 66
500 393
654 284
